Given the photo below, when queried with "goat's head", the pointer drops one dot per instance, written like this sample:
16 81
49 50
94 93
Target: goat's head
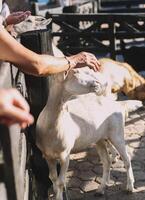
31 23
137 93
85 80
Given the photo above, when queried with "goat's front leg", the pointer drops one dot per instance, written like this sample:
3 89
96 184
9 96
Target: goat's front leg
52 164
64 163
104 156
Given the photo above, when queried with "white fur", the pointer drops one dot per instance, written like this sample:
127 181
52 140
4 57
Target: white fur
71 123
31 23
75 117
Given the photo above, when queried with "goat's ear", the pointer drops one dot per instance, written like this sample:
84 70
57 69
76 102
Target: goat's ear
46 22
39 18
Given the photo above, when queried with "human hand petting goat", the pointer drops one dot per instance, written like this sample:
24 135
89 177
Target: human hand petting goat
83 59
16 17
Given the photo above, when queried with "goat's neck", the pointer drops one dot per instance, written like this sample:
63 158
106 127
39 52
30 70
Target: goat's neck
55 96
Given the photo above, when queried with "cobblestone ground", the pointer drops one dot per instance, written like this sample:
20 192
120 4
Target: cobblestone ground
85 170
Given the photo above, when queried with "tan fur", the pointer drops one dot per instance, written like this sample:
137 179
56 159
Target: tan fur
133 84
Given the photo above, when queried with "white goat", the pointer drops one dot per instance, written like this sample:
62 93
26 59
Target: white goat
31 23
70 123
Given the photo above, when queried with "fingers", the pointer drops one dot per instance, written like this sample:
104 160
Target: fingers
9 122
14 109
17 13
21 17
17 115
85 59
18 17
94 65
93 62
27 13
19 101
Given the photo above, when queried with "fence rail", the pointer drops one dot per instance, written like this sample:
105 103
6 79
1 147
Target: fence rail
100 34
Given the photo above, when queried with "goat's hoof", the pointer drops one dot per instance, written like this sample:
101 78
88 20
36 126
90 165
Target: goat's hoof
130 189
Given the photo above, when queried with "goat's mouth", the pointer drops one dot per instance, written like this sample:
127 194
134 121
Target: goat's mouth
97 89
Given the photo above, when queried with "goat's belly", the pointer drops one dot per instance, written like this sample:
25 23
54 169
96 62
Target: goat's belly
84 123
78 134
87 138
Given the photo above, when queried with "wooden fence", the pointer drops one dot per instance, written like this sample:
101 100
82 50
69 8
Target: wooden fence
14 182
23 171
104 32
122 6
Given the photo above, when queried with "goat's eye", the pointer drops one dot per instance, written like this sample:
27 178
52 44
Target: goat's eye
28 20
40 19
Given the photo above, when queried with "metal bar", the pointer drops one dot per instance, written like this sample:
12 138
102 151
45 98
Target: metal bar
129 27
120 3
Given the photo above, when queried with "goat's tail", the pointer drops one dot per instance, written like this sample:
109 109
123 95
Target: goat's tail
131 105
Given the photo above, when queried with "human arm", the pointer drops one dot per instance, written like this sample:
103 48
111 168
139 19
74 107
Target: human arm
14 108
40 65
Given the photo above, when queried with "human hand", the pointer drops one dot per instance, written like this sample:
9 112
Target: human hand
14 108
84 59
17 17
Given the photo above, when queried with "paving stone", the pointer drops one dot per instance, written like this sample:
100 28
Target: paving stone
72 173
87 175
140 129
78 156
139 154
111 181
139 175
93 196
129 138
72 164
140 186
134 143
118 164
84 166
134 116
136 167
74 182
88 186
75 194
97 169
125 196
130 130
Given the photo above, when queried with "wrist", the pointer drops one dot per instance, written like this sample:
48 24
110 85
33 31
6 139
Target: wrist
68 63
71 62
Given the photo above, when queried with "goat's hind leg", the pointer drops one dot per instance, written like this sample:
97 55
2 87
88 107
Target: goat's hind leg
119 143
104 156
